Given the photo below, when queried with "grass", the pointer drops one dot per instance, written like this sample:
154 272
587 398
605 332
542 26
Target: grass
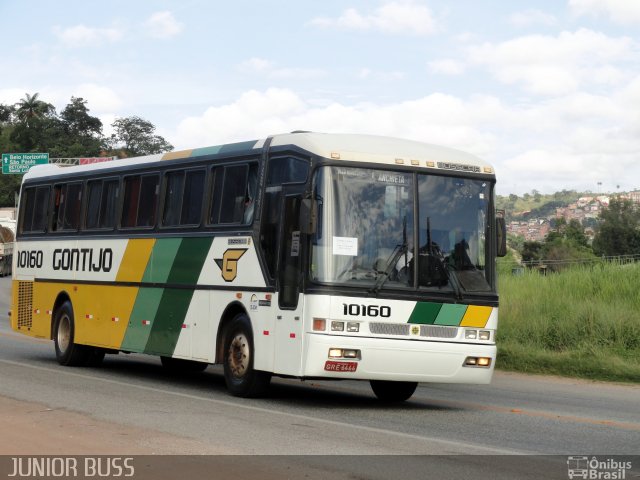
582 322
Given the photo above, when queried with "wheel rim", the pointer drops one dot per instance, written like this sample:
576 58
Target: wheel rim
239 355
64 333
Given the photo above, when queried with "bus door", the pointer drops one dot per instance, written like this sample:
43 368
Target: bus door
289 325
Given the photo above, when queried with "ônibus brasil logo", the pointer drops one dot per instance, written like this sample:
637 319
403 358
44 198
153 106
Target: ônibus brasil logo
596 469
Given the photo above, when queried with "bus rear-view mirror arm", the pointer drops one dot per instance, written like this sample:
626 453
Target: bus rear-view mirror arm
501 236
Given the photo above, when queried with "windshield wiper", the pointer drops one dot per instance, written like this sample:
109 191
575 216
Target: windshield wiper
398 251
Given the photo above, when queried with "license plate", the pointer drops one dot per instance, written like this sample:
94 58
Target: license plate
330 366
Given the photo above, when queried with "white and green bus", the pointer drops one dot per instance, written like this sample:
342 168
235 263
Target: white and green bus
305 255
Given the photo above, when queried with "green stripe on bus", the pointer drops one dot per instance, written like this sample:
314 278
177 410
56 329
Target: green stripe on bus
148 300
141 320
451 315
175 302
425 312
162 259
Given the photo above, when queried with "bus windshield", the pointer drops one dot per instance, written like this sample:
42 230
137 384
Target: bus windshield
367 230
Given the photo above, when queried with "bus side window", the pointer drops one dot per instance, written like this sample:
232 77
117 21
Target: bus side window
173 199
108 203
130 205
234 191
66 207
73 203
140 201
94 193
101 204
34 211
192 200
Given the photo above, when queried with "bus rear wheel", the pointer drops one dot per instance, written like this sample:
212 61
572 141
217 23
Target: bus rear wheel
68 352
392 392
239 375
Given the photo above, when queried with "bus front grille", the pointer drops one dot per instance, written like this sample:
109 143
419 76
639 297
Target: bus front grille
431 331
25 304
438 332
389 328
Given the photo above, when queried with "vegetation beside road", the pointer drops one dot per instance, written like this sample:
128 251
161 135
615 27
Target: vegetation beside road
583 321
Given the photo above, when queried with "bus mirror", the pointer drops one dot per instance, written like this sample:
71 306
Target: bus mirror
501 236
308 216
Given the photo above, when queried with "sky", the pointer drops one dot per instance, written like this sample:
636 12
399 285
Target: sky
547 91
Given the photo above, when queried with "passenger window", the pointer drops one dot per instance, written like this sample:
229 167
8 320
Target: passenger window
173 199
66 207
183 198
94 193
234 194
108 203
101 204
140 201
193 195
34 211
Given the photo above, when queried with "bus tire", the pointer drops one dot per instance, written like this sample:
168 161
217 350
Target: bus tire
392 392
239 375
180 365
68 353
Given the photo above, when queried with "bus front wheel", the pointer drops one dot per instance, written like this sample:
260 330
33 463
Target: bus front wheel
239 375
68 352
387 391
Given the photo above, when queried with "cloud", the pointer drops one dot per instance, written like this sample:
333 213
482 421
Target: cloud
100 98
548 65
271 70
83 36
569 142
409 18
531 17
625 12
163 25
447 66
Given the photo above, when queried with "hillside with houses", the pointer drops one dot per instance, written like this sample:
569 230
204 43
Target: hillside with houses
533 216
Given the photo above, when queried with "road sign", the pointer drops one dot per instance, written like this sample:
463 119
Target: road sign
22 162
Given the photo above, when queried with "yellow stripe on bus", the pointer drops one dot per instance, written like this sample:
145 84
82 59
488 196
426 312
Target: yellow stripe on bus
476 316
135 259
176 155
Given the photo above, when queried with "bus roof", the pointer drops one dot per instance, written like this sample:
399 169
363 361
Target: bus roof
347 147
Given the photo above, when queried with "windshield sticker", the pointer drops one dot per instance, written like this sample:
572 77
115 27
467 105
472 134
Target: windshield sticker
345 246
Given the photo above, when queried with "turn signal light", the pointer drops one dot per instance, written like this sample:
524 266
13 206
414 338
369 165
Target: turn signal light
319 324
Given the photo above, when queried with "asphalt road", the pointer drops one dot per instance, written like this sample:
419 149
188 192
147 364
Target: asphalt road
516 414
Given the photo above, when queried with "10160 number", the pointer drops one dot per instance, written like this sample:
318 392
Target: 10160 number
356 310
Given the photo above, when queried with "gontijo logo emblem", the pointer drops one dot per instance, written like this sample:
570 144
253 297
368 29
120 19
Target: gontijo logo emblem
228 264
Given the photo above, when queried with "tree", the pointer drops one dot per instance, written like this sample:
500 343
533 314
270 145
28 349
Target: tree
31 108
135 136
619 231
77 121
532 251
83 133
